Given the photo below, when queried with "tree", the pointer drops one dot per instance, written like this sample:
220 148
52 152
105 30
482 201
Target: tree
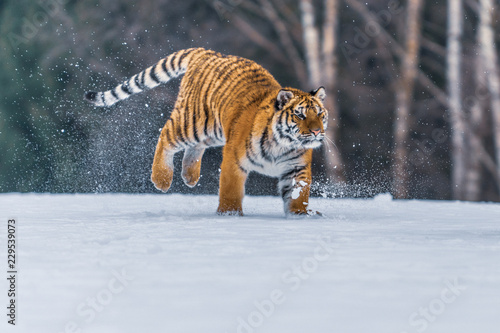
321 59
404 94
460 151
489 58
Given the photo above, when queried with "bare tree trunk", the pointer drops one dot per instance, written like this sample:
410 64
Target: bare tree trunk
404 96
488 52
311 42
454 78
473 173
333 160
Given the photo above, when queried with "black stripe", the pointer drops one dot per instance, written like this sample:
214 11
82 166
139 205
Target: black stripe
290 158
170 132
235 83
205 127
137 83
103 99
142 78
125 88
279 157
252 161
249 150
195 128
197 109
183 55
205 101
263 141
281 133
301 175
171 64
175 62
242 168
180 136
113 92
285 190
238 163
164 67
231 84
216 130
189 91
261 80
186 123
221 134
204 93
292 173
235 119
153 76
279 124
166 64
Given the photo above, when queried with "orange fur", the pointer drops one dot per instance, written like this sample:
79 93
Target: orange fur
232 102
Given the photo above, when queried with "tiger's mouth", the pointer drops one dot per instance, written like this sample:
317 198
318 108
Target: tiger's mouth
311 140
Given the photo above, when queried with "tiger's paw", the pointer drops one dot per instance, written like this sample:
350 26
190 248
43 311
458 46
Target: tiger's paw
230 207
162 181
190 177
229 212
308 213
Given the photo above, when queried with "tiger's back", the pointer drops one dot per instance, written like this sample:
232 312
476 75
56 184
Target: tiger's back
232 101
215 90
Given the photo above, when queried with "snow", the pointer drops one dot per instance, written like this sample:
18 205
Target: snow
166 263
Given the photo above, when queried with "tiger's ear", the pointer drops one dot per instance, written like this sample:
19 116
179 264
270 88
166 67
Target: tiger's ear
284 96
319 93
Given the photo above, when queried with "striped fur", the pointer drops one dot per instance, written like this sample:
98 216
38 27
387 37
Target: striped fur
232 102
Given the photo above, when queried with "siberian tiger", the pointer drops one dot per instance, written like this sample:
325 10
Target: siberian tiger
233 102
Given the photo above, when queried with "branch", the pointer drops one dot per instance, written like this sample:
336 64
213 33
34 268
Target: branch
293 20
434 47
258 38
285 39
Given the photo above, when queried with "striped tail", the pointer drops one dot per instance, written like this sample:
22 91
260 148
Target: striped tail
168 68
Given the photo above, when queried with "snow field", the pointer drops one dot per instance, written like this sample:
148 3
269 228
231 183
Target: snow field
166 263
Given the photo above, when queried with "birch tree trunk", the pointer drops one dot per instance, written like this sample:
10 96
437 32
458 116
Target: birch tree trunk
321 62
457 117
488 52
334 165
404 96
311 42
473 172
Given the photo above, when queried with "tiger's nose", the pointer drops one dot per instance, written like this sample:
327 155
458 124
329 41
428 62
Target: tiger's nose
316 131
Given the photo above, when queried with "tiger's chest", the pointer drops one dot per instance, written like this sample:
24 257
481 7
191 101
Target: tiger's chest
270 158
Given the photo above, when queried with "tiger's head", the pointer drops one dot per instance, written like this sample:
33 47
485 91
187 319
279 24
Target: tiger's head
301 118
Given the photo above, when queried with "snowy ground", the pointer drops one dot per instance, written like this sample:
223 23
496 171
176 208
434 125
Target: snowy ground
166 263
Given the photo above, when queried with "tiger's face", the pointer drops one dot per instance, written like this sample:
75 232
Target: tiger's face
302 118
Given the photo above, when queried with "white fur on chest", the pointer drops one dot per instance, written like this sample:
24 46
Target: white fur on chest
279 161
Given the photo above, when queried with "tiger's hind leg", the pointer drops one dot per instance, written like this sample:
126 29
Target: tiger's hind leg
232 183
163 163
191 165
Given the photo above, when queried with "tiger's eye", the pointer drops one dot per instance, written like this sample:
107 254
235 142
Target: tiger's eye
299 112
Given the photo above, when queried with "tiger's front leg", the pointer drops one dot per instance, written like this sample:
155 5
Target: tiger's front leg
232 184
295 186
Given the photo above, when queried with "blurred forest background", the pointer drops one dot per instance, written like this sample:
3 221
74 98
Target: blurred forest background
413 90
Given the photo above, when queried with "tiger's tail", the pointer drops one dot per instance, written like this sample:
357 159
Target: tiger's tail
168 68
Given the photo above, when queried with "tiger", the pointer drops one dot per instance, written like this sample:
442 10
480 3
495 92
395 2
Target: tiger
230 101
